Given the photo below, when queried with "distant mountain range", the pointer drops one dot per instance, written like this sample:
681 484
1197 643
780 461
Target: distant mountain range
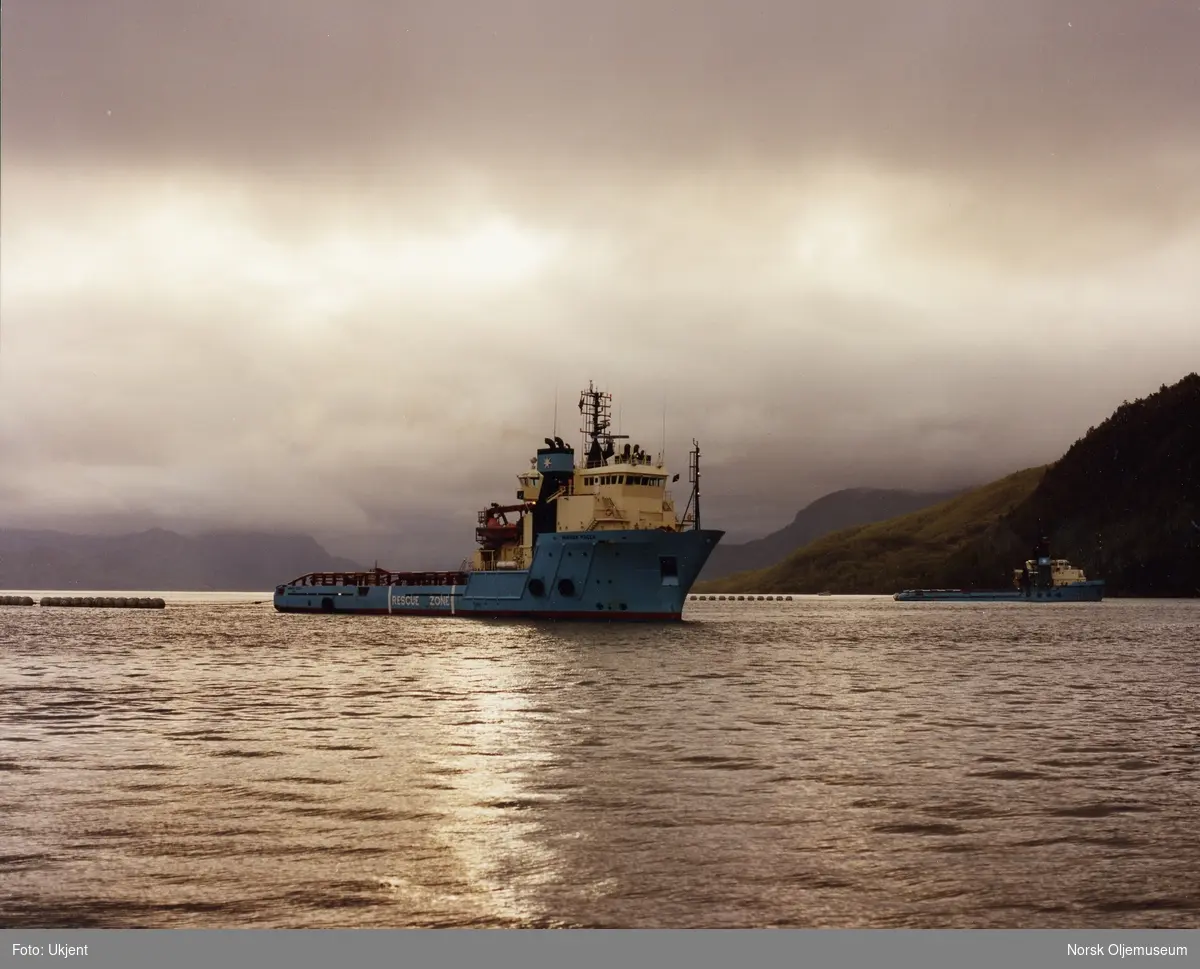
1123 503
833 512
886 556
159 560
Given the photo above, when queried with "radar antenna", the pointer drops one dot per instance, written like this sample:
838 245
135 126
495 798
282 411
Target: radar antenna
596 408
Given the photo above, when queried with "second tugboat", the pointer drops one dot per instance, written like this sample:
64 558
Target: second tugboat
593 539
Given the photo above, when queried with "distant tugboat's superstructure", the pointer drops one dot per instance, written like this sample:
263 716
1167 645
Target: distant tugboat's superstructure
1042 579
598 539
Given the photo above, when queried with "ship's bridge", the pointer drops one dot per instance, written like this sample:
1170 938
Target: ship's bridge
616 474
629 476
617 494
1062 572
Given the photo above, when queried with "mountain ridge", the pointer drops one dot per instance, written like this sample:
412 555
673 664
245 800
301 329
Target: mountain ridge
887 555
225 560
832 512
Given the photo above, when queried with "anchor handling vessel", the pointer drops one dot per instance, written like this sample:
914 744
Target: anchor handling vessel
594 538
1042 579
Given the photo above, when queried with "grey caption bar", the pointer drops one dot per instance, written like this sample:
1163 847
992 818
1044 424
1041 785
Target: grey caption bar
693 948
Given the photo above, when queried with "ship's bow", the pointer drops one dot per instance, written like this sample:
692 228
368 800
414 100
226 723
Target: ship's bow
698 545
689 551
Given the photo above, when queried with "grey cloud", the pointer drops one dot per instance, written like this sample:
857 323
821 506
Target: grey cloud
847 244
273 86
236 425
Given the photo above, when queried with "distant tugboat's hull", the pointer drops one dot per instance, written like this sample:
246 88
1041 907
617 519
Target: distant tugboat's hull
638 574
1090 591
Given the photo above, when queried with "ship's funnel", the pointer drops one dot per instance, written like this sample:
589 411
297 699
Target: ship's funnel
554 460
557 469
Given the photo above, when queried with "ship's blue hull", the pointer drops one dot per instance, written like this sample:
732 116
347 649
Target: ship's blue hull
1090 591
627 575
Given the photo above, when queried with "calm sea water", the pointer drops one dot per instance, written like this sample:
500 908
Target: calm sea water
823 762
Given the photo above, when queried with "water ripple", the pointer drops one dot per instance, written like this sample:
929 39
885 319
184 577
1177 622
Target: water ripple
821 763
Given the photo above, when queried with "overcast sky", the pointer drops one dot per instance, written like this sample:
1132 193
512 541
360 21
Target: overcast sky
323 265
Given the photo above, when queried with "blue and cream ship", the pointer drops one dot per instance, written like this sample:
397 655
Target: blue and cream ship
597 538
1043 579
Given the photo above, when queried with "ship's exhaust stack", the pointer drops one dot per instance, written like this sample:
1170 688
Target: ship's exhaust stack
557 467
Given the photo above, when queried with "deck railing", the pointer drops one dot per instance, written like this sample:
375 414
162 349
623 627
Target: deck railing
380 577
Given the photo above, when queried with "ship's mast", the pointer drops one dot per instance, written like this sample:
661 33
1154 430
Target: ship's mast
596 408
693 505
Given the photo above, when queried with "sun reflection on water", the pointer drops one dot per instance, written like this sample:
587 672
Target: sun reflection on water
493 849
